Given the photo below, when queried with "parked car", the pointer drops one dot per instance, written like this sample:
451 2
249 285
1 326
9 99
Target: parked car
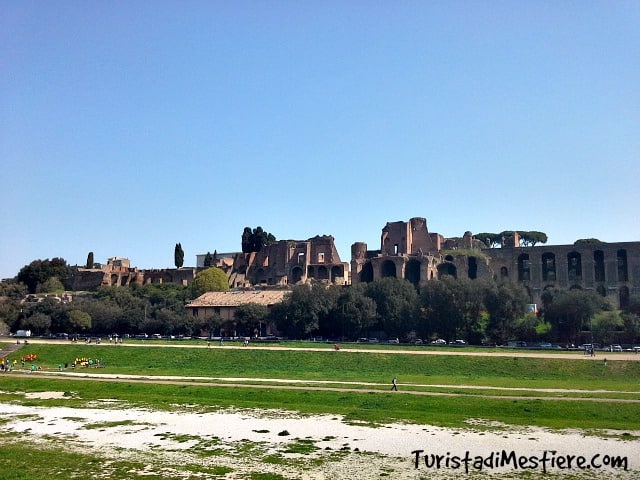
439 341
458 342
615 348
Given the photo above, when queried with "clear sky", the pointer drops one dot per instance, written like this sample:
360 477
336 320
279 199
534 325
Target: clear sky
126 127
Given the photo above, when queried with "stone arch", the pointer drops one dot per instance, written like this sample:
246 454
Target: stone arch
623 296
336 272
504 272
574 266
323 273
412 272
261 276
388 269
598 266
548 267
524 267
472 266
447 268
296 274
623 268
311 272
114 279
366 274
601 290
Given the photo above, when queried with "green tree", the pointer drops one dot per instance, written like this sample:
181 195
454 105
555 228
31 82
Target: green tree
439 316
79 321
210 280
529 327
212 324
530 239
38 323
631 322
607 327
104 315
247 243
568 312
505 303
303 309
208 260
39 271
90 261
254 240
51 285
491 240
250 317
587 241
178 256
354 314
396 304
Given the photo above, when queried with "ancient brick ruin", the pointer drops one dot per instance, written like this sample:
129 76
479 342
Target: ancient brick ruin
409 251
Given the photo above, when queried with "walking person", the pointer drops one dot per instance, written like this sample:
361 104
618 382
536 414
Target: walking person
394 384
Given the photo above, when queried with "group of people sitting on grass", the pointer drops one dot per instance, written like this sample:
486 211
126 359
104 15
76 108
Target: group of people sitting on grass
86 362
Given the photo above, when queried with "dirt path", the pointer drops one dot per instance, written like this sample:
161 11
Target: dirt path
289 384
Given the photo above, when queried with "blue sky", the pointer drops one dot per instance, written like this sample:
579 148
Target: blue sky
126 127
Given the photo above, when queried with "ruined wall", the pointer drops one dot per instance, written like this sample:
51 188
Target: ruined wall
611 269
293 261
409 251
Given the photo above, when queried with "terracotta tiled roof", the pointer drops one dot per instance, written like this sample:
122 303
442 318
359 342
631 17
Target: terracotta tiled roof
235 298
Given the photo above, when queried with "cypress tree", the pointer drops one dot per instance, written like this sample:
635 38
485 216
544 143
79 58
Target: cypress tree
178 256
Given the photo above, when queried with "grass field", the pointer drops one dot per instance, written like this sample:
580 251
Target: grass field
442 390
538 381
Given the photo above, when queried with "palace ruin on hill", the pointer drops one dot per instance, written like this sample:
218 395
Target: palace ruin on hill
408 251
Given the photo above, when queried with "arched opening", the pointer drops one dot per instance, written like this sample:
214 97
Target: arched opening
261 276
447 268
296 274
472 265
623 270
336 272
366 275
412 272
601 290
388 269
574 267
504 272
548 267
623 294
598 266
323 273
311 272
524 267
